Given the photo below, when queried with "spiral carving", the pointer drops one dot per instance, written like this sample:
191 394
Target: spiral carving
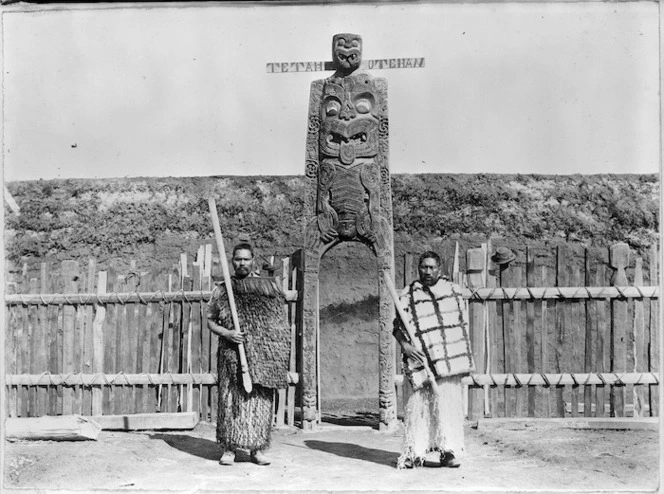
311 169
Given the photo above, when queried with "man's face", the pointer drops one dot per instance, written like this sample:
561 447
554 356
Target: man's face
429 271
243 263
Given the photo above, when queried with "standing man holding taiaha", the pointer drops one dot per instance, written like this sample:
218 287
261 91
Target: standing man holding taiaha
432 329
244 419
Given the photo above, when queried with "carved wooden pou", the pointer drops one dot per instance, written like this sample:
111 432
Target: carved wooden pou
348 198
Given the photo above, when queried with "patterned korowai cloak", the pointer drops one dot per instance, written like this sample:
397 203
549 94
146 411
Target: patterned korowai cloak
439 318
434 416
244 420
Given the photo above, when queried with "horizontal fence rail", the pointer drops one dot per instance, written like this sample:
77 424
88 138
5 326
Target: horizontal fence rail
476 380
556 380
530 293
121 379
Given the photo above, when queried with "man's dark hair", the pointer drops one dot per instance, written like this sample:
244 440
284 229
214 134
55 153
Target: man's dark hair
430 255
243 246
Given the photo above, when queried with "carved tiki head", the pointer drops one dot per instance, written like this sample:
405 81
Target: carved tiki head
346 52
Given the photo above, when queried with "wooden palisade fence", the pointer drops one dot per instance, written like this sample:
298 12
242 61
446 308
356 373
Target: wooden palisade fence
547 342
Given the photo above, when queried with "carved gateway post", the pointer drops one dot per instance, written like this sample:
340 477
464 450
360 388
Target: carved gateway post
348 198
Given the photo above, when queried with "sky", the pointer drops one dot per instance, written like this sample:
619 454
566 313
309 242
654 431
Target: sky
184 91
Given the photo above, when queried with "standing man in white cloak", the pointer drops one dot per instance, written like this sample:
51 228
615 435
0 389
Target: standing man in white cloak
438 320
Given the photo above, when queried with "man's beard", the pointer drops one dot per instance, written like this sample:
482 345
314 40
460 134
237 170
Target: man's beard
242 272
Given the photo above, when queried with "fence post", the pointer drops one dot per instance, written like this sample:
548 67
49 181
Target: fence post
561 332
476 265
409 275
589 362
655 333
619 259
639 347
533 337
281 394
98 345
602 310
44 330
70 272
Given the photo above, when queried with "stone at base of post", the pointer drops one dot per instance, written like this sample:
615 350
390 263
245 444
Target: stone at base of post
388 412
308 426
389 427
309 412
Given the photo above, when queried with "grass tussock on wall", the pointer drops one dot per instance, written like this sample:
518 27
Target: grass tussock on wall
78 219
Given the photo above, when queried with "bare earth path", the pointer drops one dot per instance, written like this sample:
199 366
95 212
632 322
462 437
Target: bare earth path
515 457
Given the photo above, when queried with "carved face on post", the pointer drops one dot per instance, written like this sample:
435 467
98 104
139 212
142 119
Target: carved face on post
346 53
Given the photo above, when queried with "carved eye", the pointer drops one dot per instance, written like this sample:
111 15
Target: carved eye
332 108
363 105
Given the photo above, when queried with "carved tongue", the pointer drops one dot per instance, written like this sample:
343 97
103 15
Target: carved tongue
347 153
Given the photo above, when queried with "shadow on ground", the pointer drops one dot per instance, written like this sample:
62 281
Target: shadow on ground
367 419
196 446
353 451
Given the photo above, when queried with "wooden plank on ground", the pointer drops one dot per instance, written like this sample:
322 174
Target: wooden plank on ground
62 428
619 259
649 423
148 421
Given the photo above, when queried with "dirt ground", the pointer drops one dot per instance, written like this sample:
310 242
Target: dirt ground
345 454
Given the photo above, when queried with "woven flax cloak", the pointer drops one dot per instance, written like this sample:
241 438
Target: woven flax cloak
439 318
262 316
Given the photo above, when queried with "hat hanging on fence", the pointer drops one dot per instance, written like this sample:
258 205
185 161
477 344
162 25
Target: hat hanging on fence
503 256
